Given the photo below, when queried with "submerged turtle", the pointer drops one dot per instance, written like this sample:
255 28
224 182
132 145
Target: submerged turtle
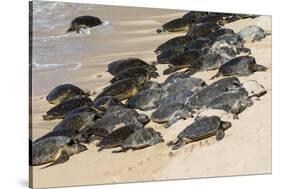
176 25
253 33
54 149
205 95
140 139
171 113
184 60
83 22
175 44
145 100
242 65
115 138
121 90
60 110
200 129
117 66
202 30
137 73
65 92
232 102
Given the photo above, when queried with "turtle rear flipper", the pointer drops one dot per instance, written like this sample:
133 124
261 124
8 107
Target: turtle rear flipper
61 159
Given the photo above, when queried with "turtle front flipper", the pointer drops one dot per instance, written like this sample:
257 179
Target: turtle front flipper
219 134
61 159
260 68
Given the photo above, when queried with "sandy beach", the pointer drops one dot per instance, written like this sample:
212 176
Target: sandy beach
246 148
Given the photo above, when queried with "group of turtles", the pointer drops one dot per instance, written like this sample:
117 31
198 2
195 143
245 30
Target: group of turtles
118 115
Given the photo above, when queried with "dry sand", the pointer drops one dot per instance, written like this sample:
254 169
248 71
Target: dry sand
246 148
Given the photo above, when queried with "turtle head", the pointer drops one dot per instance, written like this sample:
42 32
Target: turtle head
260 68
225 125
143 118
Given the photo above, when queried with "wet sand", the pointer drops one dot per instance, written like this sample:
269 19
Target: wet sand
246 148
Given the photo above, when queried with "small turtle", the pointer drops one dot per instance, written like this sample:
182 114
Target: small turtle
194 16
242 65
140 139
253 33
65 92
201 43
60 110
83 22
184 60
102 103
202 128
145 100
117 66
176 43
115 138
202 30
121 90
205 95
137 73
176 25
171 113
214 35
54 149
232 102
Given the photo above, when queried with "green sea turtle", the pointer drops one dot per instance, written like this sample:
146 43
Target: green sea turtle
165 56
145 100
84 22
115 138
176 44
73 134
201 43
140 139
242 65
202 97
60 110
176 25
214 35
202 128
119 65
202 30
121 90
194 16
171 113
54 149
253 33
65 92
233 102
184 60
137 73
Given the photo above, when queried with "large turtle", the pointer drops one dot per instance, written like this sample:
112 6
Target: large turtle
200 129
233 102
176 25
115 138
145 100
140 139
137 73
202 30
253 33
242 65
65 92
171 113
54 149
84 22
205 95
176 44
121 90
184 60
119 65
60 110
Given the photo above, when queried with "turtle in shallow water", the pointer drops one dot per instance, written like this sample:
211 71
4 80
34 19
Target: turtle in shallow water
145 100
54 149
242 65
171 113
65 92
83 22
115 138
184 60
253 33
175 44
140 139
137 73
176 25
233 102
119 65
121 90
202 97
60 110
202 30
202 128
